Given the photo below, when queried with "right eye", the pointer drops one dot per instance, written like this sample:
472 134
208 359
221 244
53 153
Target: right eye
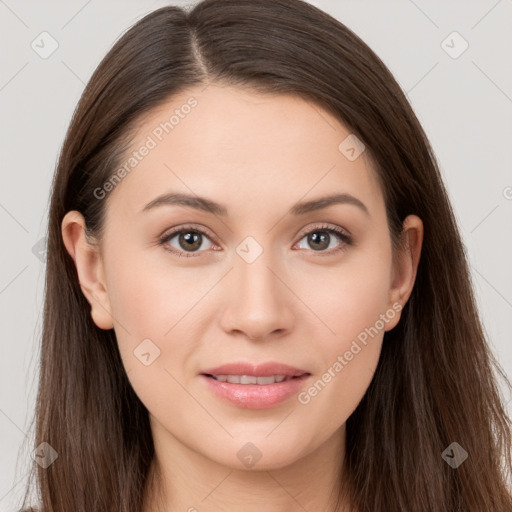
188 240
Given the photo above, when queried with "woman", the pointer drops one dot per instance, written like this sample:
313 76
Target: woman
256 287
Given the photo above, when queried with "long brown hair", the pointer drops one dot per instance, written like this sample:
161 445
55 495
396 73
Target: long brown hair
436 381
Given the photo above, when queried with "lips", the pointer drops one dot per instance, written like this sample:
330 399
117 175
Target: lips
254 386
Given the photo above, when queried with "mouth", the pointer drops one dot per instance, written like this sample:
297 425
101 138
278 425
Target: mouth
255 386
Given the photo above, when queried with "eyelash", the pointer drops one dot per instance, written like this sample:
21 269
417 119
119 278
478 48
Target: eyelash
346 239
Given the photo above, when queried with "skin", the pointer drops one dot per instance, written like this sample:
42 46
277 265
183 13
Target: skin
258 155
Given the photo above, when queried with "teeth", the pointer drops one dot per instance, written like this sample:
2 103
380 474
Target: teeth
268 380
250 379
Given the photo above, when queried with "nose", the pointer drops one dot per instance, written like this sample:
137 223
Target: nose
260 304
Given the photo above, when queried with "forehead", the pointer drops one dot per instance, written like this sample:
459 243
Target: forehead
245 148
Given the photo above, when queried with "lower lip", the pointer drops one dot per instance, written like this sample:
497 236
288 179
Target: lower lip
256 396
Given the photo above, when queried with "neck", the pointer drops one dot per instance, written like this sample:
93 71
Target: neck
181 479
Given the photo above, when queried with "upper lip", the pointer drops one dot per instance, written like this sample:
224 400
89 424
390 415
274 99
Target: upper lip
256 370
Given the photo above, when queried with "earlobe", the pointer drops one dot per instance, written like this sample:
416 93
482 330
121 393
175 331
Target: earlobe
89 266
405 263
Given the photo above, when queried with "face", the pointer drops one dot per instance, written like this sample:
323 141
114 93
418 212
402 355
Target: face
271 281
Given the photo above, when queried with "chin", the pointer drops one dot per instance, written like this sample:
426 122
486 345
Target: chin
263 453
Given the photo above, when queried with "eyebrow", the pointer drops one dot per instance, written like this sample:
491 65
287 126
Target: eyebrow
207 205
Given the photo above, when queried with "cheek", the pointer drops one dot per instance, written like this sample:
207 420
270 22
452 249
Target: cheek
356 310
148 299
151 306
336 392
349 357
354 294
161 303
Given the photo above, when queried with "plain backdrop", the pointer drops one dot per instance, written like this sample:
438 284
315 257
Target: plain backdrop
462 98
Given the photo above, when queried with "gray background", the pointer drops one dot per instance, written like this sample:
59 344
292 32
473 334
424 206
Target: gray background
463 103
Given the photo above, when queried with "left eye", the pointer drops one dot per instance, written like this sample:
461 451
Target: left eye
322 238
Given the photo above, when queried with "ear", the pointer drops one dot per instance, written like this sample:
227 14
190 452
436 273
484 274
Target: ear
89 266
405 265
